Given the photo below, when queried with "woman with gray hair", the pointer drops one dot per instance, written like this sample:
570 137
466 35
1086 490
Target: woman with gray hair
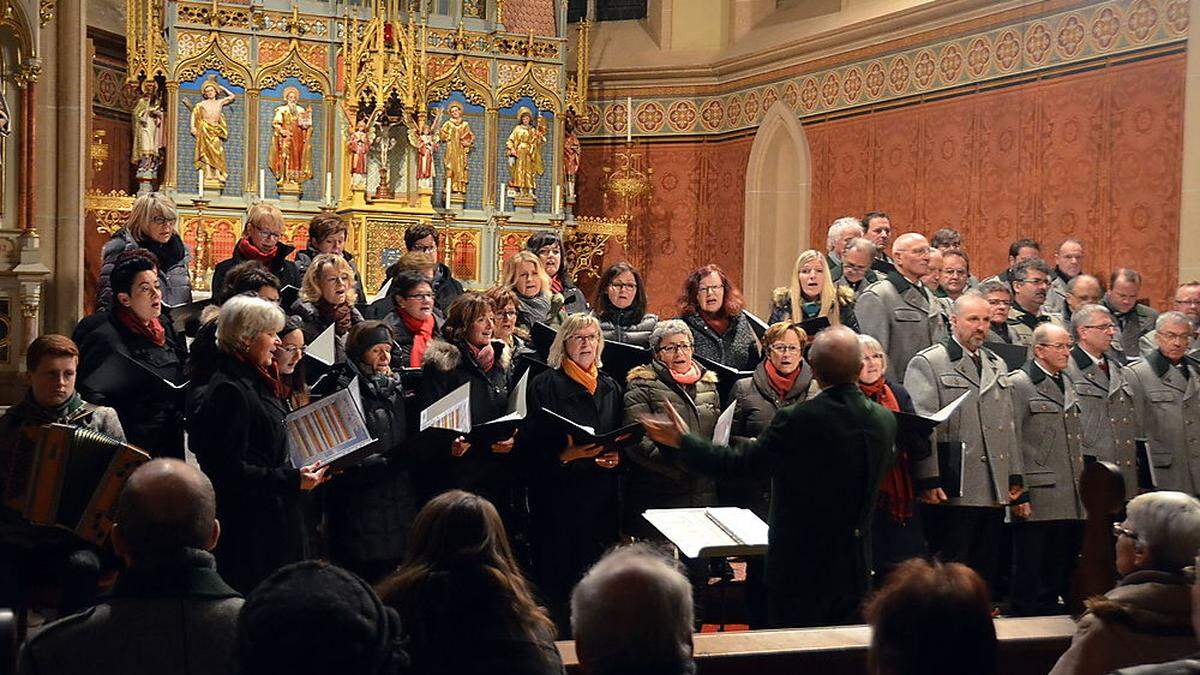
573 489
239 438
656 480
1147 618
151 225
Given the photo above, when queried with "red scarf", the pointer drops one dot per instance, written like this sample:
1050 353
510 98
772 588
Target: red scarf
152 330
422 332
692 376
896 489
781 384
555 285
718 322
248 251
338 314
484 356
270 375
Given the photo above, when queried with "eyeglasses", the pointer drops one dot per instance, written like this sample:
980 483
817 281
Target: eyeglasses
1000 303
625 287
161 220
710 290
851 267
1188 302
785 348
1035 282
1105 327
1120 530
1175 337
424 249
420 296
1057 345
676 349
507 314
923 250
584 339
268 234
292 350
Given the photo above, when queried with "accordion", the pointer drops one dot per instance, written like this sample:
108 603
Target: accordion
70 477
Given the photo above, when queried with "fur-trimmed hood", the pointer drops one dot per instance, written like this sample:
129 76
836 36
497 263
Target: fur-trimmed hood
445 356
1147 602
782 296
649 372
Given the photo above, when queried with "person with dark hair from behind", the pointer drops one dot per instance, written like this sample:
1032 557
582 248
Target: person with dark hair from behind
169 612
465 605
152 416
29 553
314 618
632 614
423 238
548 247
931 618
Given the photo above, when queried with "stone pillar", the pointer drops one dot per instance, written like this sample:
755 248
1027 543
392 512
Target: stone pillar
72 111
1189 211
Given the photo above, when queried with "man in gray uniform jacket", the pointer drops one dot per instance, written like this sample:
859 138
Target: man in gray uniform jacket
1166 392
898 310
1187 300
1045 544
1133 318
1030 281
975 469
1105 399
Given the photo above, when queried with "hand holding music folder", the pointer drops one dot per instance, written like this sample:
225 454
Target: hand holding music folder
331 431
585 435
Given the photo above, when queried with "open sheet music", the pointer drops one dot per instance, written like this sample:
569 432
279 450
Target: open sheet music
451 412
711 532
327 430
724 425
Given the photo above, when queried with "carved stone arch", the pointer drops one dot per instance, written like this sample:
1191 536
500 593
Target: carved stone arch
459 78
213 57
18 32
527 85
292 64
778 187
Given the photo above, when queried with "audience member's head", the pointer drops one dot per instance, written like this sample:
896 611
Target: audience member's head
1161 532
313 618
632 613
835 356
932 619
166 507
50 365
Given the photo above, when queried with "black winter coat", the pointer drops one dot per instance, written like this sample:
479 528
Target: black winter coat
620 326
312 324
402 350
370 505
239 438
737 348
286 270
151 417
304 260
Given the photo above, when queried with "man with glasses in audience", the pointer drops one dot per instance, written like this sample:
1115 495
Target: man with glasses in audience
999 300
1049 434
1166 394
1084 289
856 265
1109 423
899 310
1187 301
1030 282
1068 264
262 241
423 239
1133 318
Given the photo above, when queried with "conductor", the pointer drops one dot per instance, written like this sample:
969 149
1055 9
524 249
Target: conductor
837 435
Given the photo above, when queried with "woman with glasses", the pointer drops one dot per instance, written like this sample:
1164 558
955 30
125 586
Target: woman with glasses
711 306
655 479
414 320
573 491
621 306
327 233
151 226
1147 617
262 240
290 365
504 307
814 294
896 531
549 249
327 298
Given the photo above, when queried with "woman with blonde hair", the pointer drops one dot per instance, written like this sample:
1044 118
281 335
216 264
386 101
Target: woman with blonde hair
151 225
327 298
526 276
814 294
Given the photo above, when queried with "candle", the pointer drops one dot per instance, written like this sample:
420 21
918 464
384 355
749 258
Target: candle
200 182
558 199
628 119
447 194
262 184
503 193
328 188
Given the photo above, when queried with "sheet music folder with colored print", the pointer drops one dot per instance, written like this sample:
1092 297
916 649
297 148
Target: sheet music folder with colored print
329 430
711 532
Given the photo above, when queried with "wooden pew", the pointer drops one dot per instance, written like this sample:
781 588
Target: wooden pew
1027 645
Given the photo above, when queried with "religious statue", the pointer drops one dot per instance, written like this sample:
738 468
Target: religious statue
211 130
147 136
571 150
459 139
291 143
524 148
358 144
422 138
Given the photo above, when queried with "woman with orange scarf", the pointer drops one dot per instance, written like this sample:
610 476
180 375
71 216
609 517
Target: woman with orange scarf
573 489
896 532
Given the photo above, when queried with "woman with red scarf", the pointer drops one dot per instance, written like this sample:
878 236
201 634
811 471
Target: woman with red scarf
327 298
239 438
131 360
896 532
262 241
414 319
712 307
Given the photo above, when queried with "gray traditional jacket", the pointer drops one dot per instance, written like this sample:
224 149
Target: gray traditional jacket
1131 326
904 317
1168 419
1021 324
1106 408
1048 429
1148 344
975 453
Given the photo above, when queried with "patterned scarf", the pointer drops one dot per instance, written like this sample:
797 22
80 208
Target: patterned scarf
422 332
896 489
484 356
152 330
248 251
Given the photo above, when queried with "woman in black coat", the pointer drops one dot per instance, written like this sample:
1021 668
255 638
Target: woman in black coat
621 306
134 361
573 490
414 320
813 294
712 307
371 504
549 249
239 438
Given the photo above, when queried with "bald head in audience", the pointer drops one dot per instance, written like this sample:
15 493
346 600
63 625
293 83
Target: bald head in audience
835 356
632 613
166 507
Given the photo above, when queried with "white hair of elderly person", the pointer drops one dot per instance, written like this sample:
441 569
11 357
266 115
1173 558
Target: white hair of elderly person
632 614
1147 617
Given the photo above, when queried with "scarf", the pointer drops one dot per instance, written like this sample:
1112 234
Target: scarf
718 322
338 314
687 379
533 309
30 409
270 375
896 489
588 379
152 330
556 286
484 356
422 332
168 254
781 384
248 251
810 309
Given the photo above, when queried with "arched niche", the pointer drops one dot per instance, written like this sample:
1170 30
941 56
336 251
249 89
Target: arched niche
778 185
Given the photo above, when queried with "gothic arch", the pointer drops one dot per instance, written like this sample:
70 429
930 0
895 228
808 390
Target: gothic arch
778 186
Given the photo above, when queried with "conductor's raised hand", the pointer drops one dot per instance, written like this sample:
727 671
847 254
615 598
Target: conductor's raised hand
668 430
313 475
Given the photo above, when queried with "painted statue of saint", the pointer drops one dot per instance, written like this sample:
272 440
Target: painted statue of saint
524 148
147 133
359 145
422 138
571 150
211 130
459 139
291 142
